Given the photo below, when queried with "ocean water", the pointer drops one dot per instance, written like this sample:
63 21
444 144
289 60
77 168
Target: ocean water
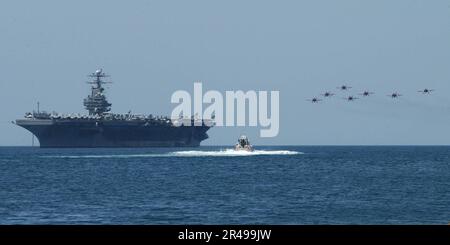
215 185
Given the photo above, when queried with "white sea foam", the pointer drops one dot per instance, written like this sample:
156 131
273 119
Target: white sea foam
231 152
219 153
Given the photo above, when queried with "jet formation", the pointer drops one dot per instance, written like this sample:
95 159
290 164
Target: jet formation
365 93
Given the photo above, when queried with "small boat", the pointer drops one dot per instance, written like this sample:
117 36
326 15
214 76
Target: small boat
243 144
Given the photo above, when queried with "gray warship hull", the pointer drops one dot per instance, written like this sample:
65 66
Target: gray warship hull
88 133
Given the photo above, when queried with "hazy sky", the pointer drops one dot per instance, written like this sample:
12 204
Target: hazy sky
301 48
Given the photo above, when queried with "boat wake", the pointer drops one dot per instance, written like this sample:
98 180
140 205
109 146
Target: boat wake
108 156
219 153
231 152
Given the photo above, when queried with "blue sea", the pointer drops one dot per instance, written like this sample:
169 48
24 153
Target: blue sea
215 185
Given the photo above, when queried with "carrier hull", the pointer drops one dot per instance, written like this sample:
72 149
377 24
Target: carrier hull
74 134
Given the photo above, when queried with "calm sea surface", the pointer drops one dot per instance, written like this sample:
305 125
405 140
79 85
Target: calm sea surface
213 185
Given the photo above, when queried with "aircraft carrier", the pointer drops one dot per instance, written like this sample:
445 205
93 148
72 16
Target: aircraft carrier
100 128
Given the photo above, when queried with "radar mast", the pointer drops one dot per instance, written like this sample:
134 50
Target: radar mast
96 102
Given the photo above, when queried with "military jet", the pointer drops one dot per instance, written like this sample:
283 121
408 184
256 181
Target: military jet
366 93
327 94
350 98
426 91
314 100
394 95
344 87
